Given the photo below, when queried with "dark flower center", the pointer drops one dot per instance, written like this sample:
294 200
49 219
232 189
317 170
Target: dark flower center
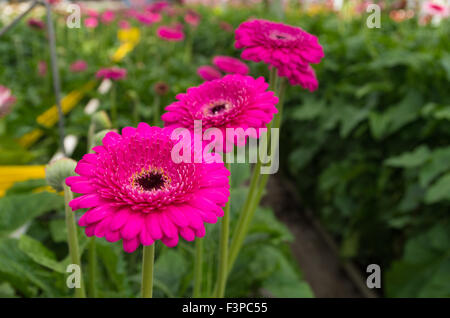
217 109
152 180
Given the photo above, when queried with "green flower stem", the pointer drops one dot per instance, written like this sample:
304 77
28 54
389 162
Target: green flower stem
113 105
198 268
257 183
92 262
148 260
223 248
156 106
72 239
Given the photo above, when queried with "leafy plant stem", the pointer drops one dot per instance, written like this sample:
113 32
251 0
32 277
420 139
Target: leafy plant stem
223 248
148 259
92 261
72 238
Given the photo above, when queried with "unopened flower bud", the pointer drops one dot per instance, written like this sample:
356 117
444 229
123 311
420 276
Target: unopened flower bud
58 170
101 120
161 88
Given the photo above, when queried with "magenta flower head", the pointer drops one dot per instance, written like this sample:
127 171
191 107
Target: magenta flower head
208 73
108 16
234 101
124 24
7 100
78 66
135 191
114 73
91 22
36 24
192 18
230 65
170 33
287 48
42 68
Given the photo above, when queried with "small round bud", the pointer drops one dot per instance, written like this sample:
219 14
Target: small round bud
101 120
58 170
161 88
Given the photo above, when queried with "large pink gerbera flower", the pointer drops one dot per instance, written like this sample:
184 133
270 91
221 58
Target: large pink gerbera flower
234 101
230 65
135 191
290 49
170 33
208 73
114 73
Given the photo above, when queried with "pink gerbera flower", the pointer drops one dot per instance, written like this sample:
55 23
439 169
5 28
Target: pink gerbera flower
192 18
42 68
208 73
147 18
124 24
234 101
230 65
108 16
78 66
91 22
170 33
135 191
7 100
287 48
435 9
36 24
114 73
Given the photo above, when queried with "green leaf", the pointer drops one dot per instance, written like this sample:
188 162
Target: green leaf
424 270
411 159
396 116
21 271
17 209
285 282
170 267
439 191
6 291
40 254
439 162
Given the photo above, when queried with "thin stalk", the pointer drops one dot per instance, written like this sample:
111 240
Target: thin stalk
113 106
72 239
223 248
156 106
92 262
148 259
198 268
257 184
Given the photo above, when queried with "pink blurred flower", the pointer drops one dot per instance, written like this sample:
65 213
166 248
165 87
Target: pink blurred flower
208 73
35 23
7 100
124 24
134 191
435 9
170 33
230 65
287 48
234 101
91 22
42 68
108 16
92 13
192 18
147 18
78 66
114 73
158 6
226 26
